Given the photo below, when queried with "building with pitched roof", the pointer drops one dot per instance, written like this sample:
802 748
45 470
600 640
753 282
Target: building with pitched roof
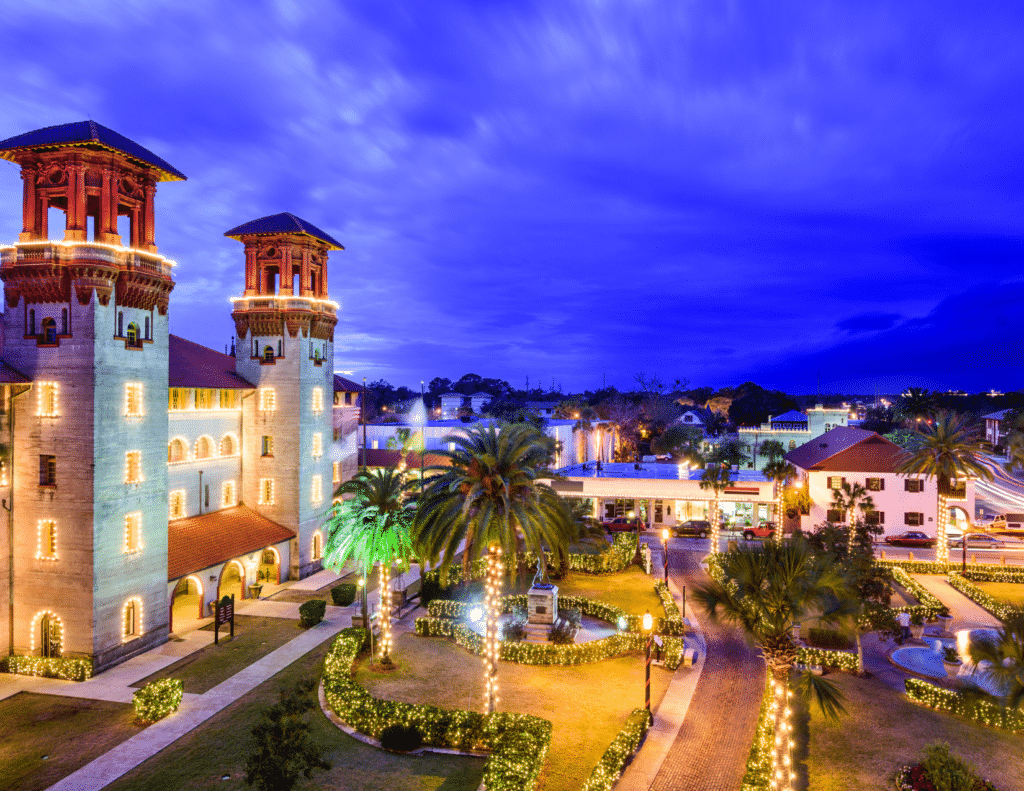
792 429
109 546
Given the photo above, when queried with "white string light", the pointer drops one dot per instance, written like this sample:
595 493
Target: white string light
492 637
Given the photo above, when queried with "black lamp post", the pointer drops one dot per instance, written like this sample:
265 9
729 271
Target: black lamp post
362 419
648 624
664 542
423 434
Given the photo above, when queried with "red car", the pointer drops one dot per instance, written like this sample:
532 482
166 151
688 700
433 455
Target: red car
912 538
762 530
621 524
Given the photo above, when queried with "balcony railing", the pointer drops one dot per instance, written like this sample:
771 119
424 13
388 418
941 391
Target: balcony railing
64 253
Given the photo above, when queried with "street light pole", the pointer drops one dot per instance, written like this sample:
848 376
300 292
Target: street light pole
423 434
664 541
648 624
362 419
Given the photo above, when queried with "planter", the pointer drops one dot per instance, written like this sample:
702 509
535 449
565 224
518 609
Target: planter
917 631
255 590
952 668
945 621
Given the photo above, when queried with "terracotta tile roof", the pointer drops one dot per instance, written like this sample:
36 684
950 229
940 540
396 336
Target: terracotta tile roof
199 542
343 385
9 376
91 134
192 365
385 457
285 222
845 449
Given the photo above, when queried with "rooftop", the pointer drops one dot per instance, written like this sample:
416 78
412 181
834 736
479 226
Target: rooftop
792 416
283 223
10 376
192 365
199 542
341 384
650 470
91 135
846 449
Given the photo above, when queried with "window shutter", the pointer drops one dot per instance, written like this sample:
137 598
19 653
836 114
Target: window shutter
842 481
881 517
881 484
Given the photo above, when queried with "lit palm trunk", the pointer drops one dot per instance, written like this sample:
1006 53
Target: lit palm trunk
778 516
781 713
942 545
715 521
492 641
385 612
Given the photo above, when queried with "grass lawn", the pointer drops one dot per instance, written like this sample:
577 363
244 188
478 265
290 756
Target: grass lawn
883 731
255 637
1008 592
219 747
587 704
70 731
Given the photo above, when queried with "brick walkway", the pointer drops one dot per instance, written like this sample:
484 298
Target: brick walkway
710 752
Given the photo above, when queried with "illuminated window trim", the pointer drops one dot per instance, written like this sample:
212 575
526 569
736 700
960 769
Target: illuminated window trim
228 487
177 497
336 472
214 448
185 450
318 445
316 545
317 490
318 400
236 446
35 626
139 630
266 491
130 475
268 399
46 399
129 389
133 533
51 539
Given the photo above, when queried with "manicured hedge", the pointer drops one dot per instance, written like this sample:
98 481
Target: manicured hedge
969 706
998 574
758 776
158 699
343 595
518 743
963 584
609 768
933 567
823 657
65 668
929 606
312 612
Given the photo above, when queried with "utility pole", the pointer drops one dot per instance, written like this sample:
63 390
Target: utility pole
362 419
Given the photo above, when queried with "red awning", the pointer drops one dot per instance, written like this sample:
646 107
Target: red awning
199 542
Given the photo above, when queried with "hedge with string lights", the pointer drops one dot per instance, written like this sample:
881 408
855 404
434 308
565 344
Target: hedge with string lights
823 657
626 742
66 668
758 776
158 699
968 706
934 567
518 743
929 606
964 584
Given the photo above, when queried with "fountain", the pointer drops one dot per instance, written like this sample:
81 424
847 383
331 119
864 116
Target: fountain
926 660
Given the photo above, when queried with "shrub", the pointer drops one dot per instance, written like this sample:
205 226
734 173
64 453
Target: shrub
611 764
821 657
343 595
946 771
401 738
971 707
312 612
157 699
758 775
829 638
66 668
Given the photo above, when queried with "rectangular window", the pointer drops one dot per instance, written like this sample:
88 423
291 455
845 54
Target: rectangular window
47 546
131 619
177 399
204 398
268 446
337 472
913 485
227 494
133 466
835 516
47 470
348 399
875 484
46 400
318 400
227 399
206 496
318 445
133 532
317 494
266 491
913 518
835 482
875 517
133 399
268 402
177 503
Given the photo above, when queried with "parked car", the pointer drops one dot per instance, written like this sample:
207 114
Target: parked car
693 527
622 524
1008 522
761 530
912 538
979 541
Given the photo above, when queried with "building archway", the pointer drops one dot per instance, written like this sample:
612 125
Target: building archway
204 447
959 519
232 581
270 566
186 602
47 634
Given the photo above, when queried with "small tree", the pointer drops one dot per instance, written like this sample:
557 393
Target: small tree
848 498
1005 656
773 449
283 750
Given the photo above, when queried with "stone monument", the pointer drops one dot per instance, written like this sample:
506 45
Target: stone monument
542 599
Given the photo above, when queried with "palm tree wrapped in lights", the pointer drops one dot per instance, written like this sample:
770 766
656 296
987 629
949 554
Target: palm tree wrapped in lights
848 498
491 501
949 451
782 473
717 477
370 528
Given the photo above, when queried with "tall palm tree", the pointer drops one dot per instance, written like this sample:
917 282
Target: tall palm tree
782 473
848 498
404 441
717 477
949 451
773 449
491 499
916 406
1005 655
369 528
764 590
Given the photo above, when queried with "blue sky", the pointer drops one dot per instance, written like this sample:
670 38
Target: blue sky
579 191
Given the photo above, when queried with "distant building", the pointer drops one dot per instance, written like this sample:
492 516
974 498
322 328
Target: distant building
792 429
994 432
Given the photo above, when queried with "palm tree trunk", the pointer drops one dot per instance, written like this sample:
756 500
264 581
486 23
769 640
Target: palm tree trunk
941 543
778 517
850 528
860 655
492 644
385 613
781 711
715 521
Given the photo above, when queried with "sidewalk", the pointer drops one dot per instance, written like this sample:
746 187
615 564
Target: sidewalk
966 614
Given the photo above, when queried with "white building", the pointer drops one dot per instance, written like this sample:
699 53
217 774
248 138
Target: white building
994 432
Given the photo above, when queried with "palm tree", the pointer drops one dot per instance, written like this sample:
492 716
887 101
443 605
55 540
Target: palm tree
773 449
764 590
491 499
717 478
782 473
948 451
848 498
916 405
1014 443
370 528
1005 655
404 441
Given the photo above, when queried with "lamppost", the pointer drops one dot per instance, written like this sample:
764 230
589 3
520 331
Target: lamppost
637 558
664 543
362 419
423 434
648 624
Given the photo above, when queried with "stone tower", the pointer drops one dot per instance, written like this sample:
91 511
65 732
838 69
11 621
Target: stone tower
86 322
285 326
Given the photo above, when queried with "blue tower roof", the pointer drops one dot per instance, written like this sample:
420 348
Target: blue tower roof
285 222
792 416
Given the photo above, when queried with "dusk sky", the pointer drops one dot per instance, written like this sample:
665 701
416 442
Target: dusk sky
578 190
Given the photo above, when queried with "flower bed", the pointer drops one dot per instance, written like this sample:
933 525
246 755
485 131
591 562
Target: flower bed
758 776
156 700
969 707
518 743
622 748
65 668
823 657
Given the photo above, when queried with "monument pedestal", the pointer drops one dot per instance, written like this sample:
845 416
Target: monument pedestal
542 604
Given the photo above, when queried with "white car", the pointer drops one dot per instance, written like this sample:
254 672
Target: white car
978 541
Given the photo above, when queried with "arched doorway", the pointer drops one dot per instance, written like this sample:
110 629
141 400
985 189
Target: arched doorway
232 581
48 633
959 520
186 603
270 567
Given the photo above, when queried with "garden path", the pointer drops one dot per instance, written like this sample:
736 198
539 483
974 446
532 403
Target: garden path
966 614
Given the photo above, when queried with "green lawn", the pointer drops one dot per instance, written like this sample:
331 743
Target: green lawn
587 704
219 747
70 732
1008 592
884 731
255 637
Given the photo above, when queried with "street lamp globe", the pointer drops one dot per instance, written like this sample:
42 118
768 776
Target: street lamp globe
664 534
648 621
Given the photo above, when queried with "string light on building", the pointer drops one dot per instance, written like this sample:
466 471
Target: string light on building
133 532
133 467
385 613
55 621
46 546
118 248
46 399
492 634
133 399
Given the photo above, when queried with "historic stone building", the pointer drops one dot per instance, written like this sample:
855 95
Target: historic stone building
107 544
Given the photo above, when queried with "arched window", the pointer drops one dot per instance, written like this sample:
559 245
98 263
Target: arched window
31 322
204 447
133 334
177 451
120 324
49 331
227 445
792 444
318 546
268 354
48 631
132 621
63 321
